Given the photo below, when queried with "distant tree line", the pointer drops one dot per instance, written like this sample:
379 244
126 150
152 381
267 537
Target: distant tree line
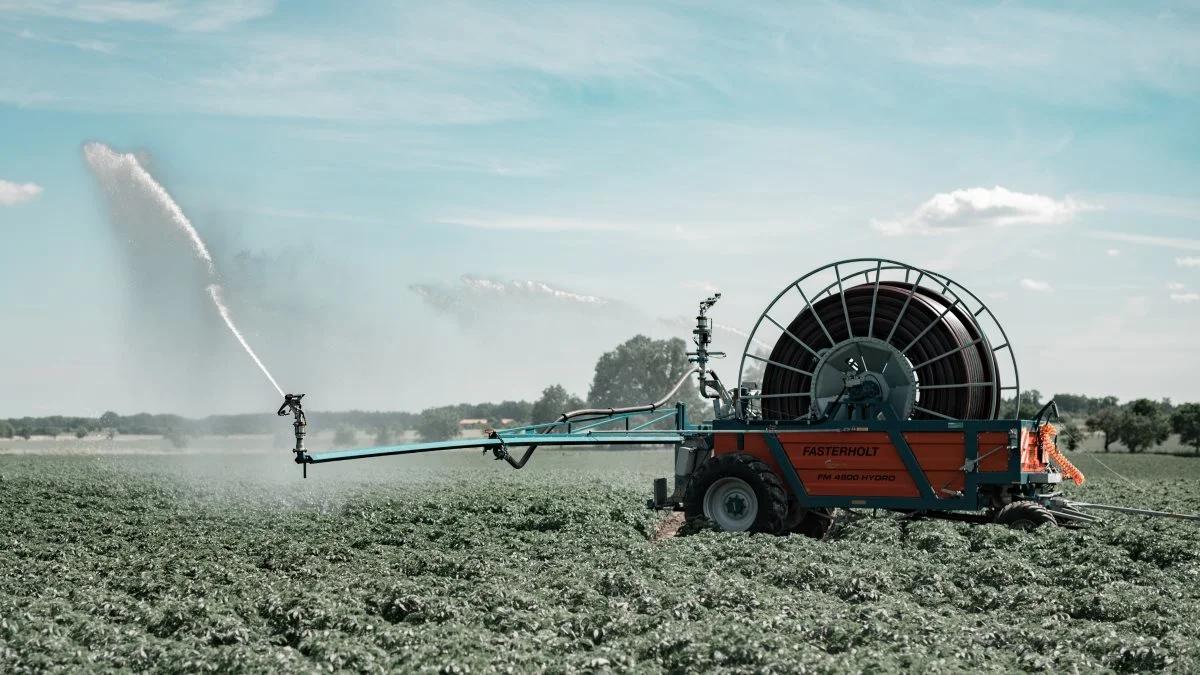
1138 425
639 370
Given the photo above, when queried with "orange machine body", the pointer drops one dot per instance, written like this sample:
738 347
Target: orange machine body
889 467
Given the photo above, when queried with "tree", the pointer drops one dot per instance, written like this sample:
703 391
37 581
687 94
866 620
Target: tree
25 433
1166 405
642 370
6 429
1144 425
755 369
1107 421
1071 435
1082 405
176 437
1031 402
81 433
1185 421
554 402
438 424
344 436
110 419
385 436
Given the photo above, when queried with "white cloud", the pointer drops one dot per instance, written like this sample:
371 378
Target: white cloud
1177 243
1185 297
1188 262
15 193
981 207
1039 286
1174 286
998 295
210 15
1113 252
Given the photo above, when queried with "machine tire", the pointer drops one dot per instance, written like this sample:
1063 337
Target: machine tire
1025 515
741 475
814 522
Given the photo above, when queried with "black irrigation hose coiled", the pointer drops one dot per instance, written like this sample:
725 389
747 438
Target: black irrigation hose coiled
952 333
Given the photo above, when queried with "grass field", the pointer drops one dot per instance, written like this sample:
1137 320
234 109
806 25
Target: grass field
456 563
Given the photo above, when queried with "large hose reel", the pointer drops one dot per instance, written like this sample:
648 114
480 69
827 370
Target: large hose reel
927 345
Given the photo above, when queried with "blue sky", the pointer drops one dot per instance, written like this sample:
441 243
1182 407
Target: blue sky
1044 155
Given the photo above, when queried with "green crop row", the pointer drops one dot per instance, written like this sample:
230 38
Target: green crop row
462 565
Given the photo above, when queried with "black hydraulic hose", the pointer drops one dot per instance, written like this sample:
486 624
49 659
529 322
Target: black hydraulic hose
943 354
502 453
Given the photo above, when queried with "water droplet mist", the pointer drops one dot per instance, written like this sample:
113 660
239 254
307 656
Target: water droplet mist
109 166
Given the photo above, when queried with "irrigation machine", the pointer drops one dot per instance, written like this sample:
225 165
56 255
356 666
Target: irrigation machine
864 384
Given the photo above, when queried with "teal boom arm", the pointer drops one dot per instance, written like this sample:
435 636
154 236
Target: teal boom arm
574 428
500 442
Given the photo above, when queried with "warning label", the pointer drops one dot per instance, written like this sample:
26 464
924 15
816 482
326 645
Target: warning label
839 450
873 477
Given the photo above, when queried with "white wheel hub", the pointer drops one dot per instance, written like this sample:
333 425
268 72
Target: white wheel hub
731 504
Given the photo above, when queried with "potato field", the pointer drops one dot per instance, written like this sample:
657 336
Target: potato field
455 563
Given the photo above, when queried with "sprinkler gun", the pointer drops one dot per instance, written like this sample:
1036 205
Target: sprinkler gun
709 388
291 406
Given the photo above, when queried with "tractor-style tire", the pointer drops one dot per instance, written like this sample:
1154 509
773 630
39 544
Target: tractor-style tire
814 522
1025 515
737 493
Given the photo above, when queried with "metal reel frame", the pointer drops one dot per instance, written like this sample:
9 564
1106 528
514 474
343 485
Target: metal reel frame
875 270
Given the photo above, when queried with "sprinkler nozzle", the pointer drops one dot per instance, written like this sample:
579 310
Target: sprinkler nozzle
291 406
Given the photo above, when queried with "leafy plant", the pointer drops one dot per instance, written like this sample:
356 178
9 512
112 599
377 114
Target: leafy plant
448 563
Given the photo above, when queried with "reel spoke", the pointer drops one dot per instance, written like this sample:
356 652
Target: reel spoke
937 360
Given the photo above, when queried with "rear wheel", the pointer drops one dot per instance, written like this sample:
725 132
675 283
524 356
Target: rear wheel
815 523
738 493
1025 515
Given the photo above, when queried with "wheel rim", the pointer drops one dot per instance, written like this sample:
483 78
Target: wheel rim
731 504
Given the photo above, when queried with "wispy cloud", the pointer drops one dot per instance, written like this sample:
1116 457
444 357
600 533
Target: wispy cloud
1059 55
1178 243
1113 252
1175 286
1185 297
456 63
690 232
1149 204
15 193
209 15
979 207
84 45
1037 286
1188 262
327 216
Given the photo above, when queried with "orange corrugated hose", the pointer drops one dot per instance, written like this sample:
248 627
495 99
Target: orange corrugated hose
1047 432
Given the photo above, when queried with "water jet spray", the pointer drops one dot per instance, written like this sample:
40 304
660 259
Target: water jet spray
108 166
